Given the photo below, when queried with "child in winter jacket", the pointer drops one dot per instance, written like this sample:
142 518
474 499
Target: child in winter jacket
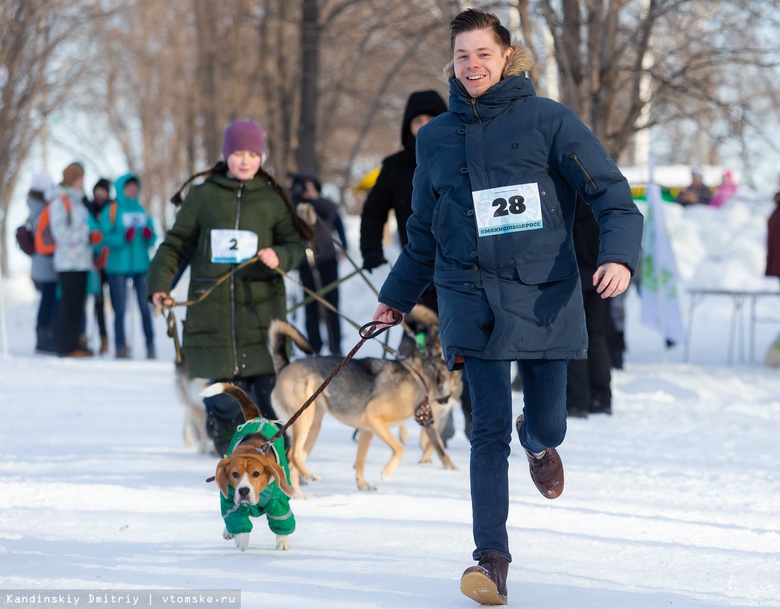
239 212
128 233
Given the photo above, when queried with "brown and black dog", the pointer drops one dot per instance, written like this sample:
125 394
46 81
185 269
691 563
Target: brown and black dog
248 470
368 394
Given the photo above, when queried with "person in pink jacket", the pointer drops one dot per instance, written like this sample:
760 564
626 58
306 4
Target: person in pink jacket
726 190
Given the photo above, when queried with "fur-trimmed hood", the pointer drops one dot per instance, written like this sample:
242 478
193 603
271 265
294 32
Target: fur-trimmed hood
522 60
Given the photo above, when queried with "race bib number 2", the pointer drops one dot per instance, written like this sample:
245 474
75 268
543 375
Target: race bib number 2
232 246
507 209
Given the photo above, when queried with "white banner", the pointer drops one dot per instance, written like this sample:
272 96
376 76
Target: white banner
659 292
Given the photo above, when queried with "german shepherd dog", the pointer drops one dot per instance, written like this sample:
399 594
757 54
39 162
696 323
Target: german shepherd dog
368 394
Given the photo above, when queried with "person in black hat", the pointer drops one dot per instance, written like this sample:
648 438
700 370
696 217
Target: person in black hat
393 188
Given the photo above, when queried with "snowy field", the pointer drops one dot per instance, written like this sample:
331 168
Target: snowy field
671 502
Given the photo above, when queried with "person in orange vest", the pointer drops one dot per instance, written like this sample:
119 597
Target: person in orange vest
75 233
42 268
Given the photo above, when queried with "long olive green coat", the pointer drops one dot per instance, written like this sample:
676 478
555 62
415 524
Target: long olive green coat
225 335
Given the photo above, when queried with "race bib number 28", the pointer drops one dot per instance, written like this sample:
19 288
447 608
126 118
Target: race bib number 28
507 209
232 246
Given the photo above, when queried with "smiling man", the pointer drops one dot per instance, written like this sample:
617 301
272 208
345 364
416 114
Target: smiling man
493 203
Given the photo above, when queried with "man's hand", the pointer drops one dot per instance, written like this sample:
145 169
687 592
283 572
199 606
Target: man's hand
611 279
385 314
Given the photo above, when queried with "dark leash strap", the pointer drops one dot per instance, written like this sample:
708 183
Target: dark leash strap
367 331
423 413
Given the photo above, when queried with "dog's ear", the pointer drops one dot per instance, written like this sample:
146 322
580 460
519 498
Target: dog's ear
221 477
276 471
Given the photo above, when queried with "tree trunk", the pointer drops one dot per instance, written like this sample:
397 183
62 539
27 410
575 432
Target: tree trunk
306 155
207 62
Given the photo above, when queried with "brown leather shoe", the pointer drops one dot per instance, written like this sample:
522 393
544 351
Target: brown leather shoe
103 344
486 583
123 353
546 469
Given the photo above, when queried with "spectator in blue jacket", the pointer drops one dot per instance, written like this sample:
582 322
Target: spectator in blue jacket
128 233
493 206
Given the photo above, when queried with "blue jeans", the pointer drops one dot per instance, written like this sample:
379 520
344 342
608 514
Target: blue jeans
117 288
544 394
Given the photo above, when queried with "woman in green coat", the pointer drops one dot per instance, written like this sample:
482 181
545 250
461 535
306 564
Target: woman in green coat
238 212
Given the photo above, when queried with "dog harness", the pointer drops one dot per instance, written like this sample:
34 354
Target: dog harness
272 501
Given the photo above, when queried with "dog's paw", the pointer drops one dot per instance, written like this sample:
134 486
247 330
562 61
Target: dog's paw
242 541
309 478
226 535
365 486
283 542
448 464
388 472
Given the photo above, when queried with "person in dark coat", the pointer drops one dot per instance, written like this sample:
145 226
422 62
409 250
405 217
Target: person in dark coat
320 265
393 188
493 207
697 192
588 389
773 241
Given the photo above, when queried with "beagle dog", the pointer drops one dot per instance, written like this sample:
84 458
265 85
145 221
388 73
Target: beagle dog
253 478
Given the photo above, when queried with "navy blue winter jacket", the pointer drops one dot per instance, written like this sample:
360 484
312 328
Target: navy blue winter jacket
514 292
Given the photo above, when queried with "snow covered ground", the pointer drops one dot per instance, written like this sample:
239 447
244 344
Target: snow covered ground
670 502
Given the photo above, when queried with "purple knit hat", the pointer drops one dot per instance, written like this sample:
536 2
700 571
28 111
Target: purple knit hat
243 135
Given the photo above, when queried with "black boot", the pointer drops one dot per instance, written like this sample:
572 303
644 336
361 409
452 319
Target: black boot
46 342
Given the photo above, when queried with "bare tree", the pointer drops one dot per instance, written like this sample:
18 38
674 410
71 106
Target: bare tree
38 46
328 79
696 47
